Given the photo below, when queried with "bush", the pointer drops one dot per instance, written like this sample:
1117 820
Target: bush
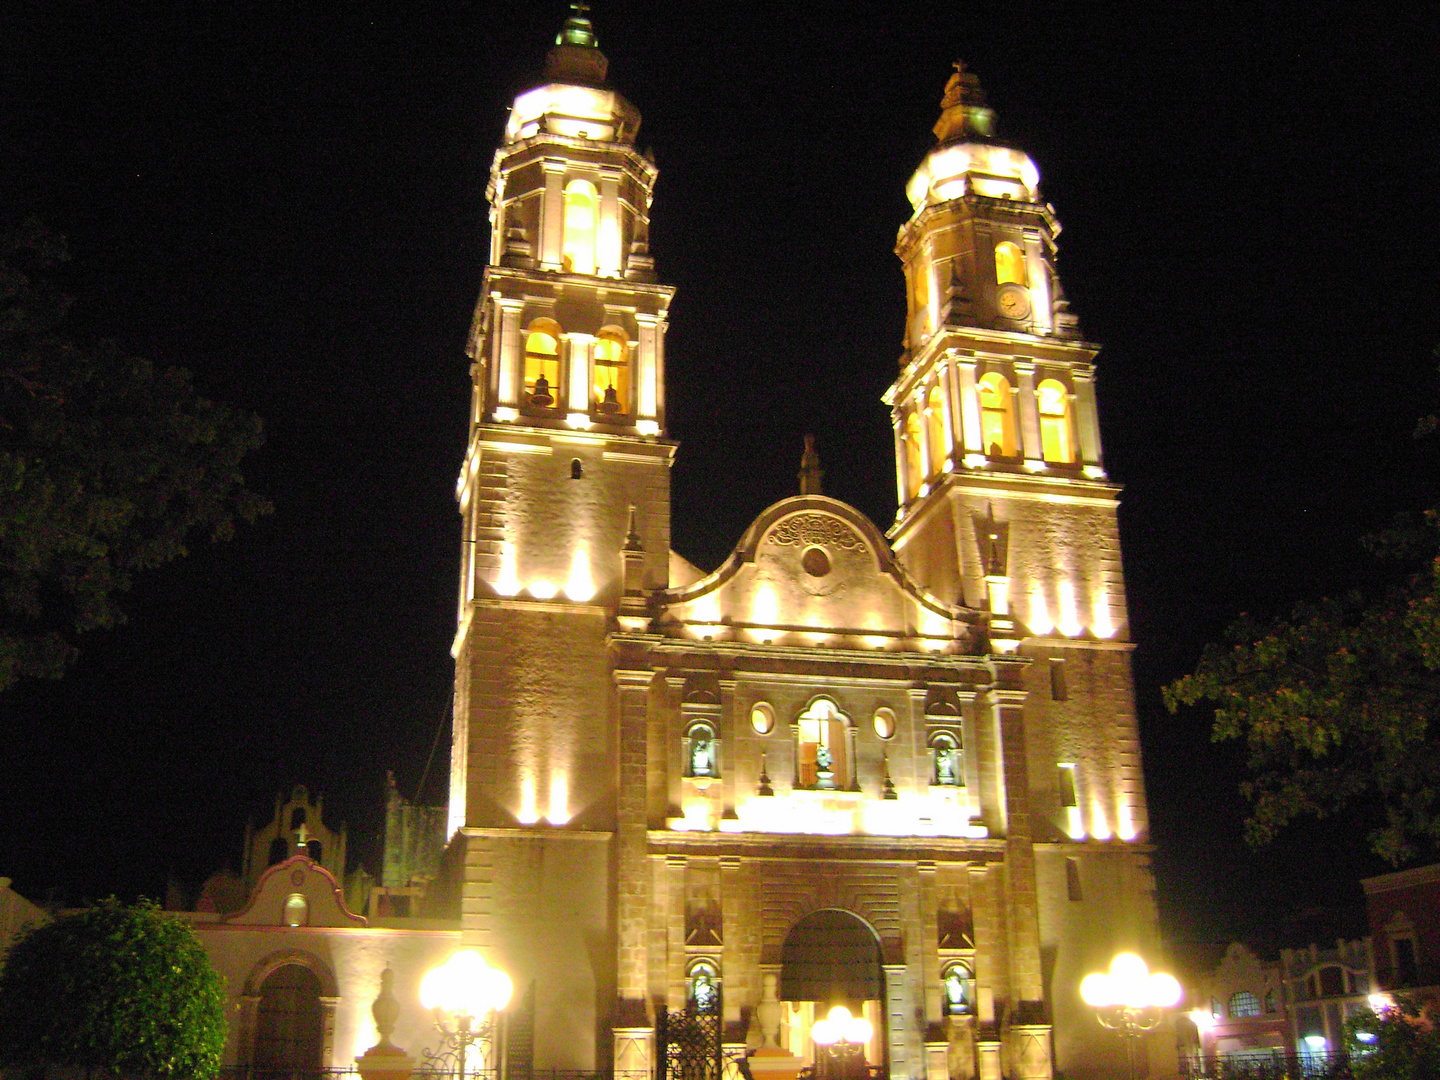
115 990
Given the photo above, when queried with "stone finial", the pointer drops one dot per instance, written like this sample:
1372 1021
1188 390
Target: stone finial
811 474
385 1060
632 533
385 1009
963 112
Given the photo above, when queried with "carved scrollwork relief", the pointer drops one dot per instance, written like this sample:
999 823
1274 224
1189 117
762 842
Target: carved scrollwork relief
803 530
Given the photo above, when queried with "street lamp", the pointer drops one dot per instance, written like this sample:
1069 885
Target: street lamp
841 1039
1129 999
464 993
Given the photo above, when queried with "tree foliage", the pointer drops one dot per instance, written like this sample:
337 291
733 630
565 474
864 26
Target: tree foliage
122 991
1338 707
1398 1044
109 465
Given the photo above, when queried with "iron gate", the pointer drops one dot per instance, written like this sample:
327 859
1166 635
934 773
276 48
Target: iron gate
689 1044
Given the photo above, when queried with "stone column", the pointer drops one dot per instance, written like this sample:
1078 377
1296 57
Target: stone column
552 216
1021 904
1038 273
633 1035
509 378
1087 422
902 487
1028 413
608 232
647 368
969 398
675 931
581 349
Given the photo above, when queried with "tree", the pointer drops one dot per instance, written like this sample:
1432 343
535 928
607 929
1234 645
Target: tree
125 991
1339 706
109 465
1398 1044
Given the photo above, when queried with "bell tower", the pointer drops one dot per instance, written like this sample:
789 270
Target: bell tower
1004 505
564 491
1004 501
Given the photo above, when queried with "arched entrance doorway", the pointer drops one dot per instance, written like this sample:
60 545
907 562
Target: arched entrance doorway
289 1028
832 957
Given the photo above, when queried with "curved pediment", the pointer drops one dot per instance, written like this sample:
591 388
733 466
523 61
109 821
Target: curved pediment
815 567
296 892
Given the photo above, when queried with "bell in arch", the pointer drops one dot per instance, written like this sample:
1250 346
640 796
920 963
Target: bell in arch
541 394
610 403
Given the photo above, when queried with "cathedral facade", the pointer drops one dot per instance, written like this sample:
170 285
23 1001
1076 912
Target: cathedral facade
897 771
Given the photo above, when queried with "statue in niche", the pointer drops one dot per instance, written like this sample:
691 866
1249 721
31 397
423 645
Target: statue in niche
945 770
824 775
703 992
702 754
957 996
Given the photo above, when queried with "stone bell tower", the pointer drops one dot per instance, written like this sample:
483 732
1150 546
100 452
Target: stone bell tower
565 499
566 437
1005 504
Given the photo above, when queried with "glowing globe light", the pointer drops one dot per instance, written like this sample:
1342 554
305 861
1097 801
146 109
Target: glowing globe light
1130 984
840 1026
465 986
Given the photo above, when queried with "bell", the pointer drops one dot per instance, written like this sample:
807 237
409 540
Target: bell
610 403
541 395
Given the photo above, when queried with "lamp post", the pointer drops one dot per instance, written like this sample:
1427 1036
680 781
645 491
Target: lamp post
464 994
841 1040
1130 999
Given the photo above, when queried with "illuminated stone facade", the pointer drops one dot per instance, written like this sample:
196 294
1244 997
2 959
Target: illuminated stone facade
916 756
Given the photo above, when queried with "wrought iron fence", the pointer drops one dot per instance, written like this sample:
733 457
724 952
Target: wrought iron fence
1333 1065
254 1072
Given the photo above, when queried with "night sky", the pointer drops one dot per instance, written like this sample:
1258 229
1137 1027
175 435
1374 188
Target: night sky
288 199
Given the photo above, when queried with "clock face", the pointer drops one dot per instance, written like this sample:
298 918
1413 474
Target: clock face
1014 301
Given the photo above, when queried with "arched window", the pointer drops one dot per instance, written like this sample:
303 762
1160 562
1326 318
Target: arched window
958 987
582 205
704 987
935 431
914 472
1054 402
949 770
1244 1003
542 364
997 416
822 747
702 752
288 1026
1010 265
612 372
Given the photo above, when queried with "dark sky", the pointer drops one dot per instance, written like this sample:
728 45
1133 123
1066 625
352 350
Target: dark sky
288 199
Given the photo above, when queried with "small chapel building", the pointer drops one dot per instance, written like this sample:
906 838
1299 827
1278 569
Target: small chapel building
897 770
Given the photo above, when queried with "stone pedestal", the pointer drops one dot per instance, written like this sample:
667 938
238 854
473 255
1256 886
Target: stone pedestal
385 1062
772 1063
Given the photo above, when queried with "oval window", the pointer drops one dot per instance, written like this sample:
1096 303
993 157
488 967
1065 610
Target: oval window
884 723
762 718
815 562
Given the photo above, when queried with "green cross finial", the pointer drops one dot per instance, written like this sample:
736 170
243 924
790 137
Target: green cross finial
578 29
